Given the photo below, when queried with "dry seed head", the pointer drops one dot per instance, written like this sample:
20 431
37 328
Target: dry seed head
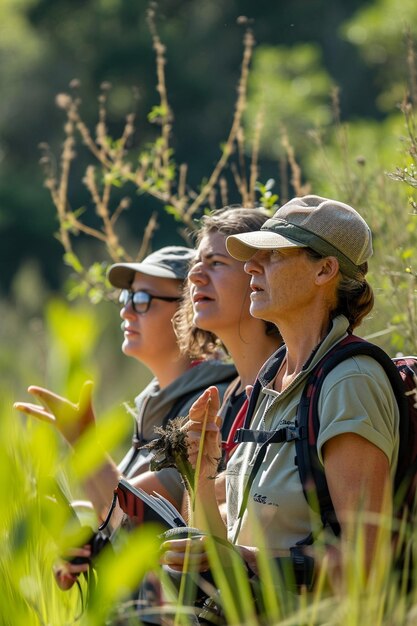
101 128
50 183
63 101
125 203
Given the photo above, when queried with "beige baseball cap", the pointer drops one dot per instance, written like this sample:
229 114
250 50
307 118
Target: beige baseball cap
328 227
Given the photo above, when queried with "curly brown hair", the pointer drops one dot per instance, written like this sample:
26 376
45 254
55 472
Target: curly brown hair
230 220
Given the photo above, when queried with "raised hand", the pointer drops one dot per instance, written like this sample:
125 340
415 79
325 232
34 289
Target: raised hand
203 428
71 420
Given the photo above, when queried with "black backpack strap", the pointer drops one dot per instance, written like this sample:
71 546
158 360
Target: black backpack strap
266 375
125 467
310 469
246 435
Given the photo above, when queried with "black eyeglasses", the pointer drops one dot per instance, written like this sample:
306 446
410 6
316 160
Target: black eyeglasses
141 300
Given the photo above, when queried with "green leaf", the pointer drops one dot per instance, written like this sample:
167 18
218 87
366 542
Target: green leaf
73 261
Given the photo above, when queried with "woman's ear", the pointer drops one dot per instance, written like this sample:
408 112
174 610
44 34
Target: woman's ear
327 270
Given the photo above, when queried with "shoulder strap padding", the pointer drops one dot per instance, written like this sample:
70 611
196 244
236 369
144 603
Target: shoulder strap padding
311 471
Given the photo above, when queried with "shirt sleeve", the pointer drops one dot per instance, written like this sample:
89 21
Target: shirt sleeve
357 397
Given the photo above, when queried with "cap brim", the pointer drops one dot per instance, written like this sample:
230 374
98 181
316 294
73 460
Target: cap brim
122 274
243 247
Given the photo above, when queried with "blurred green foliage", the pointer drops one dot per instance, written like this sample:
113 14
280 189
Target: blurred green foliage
380 31
290 87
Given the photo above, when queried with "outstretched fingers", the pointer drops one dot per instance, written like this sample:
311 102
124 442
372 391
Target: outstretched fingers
72 420
51 400
35 410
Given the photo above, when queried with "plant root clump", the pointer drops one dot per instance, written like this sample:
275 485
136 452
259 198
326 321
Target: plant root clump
170 449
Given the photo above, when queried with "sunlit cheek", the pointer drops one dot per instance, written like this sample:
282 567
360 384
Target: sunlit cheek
161 331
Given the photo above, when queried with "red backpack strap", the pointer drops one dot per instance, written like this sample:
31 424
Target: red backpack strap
229 445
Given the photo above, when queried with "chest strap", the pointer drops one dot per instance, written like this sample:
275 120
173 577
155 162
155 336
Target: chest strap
289 433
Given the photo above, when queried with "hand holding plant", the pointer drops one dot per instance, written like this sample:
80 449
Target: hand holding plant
193 445
71 420
204 435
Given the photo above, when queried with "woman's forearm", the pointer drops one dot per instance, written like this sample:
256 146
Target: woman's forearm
100 486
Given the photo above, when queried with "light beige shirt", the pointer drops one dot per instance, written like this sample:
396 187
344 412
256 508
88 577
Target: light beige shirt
356 397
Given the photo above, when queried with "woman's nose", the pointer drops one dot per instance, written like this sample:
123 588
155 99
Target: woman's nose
127 311
197 275
254 264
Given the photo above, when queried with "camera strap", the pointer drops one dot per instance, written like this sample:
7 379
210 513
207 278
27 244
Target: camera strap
110 512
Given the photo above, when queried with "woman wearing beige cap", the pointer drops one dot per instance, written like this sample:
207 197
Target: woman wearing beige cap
150 295
308 266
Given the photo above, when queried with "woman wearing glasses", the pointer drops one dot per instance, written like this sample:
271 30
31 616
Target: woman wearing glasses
150 295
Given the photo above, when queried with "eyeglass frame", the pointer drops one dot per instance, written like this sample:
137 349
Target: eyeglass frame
124 301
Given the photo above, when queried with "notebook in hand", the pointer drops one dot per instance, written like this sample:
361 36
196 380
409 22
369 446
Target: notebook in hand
146 507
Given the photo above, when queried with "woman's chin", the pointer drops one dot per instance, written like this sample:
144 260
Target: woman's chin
203 321
257 310
130 350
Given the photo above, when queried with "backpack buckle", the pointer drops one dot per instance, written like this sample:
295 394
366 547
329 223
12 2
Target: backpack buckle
292 433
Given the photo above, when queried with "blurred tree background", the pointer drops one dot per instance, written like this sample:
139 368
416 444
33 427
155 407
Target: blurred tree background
316 66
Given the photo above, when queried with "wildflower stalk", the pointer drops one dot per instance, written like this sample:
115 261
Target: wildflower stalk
192 493
249 43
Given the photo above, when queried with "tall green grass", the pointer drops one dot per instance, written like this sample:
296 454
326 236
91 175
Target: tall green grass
33 535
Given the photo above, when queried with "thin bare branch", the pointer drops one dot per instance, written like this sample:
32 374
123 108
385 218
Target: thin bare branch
151 226
299 188
249 43
254 170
